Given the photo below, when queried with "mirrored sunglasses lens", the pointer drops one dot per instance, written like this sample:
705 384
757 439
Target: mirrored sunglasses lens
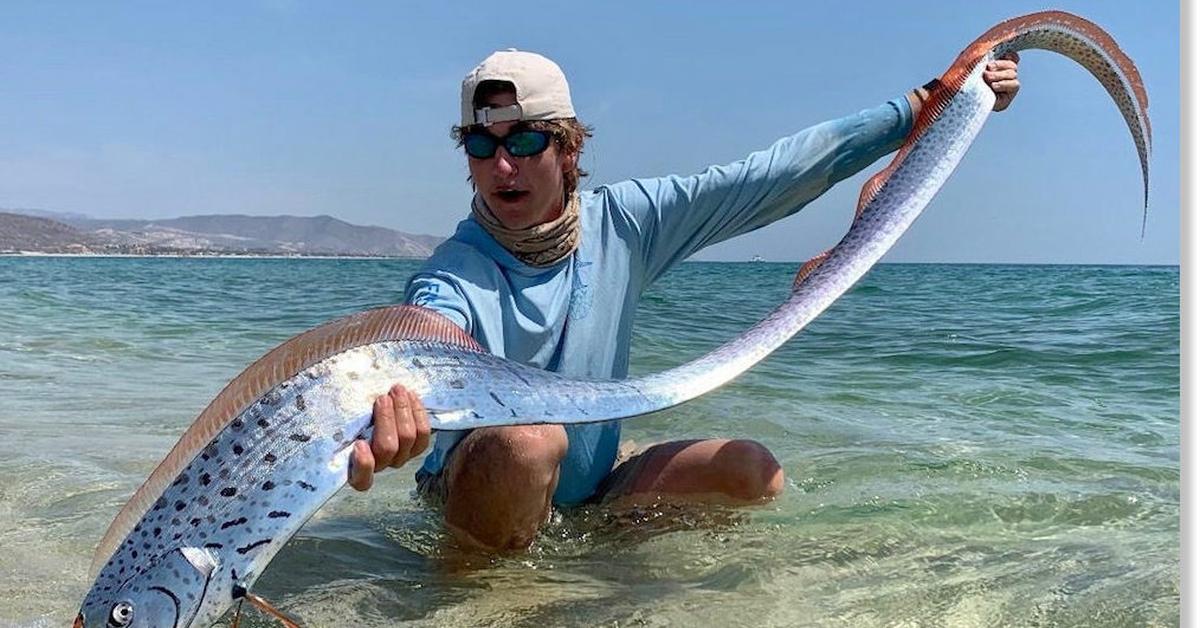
526 143
480 145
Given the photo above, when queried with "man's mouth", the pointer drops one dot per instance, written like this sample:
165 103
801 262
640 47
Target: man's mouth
511 195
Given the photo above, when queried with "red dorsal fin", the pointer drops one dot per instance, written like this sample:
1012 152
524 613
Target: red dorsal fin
404 322
809 267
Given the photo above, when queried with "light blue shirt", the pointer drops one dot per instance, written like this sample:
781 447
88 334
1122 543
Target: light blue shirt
576 316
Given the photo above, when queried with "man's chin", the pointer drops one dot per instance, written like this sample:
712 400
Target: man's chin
513 215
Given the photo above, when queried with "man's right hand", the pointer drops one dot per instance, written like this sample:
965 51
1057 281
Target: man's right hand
401 433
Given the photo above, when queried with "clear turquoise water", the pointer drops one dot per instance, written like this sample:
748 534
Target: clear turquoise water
964 445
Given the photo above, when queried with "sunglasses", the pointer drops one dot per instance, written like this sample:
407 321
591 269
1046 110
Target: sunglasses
520 143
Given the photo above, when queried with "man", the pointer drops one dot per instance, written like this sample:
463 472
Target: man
546 275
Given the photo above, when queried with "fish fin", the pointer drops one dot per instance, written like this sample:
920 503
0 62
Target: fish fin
266 607
404 322
809 267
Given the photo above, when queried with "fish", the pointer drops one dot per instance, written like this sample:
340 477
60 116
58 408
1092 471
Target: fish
275 443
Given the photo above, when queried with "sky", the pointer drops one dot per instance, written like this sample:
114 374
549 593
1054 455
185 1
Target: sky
156 110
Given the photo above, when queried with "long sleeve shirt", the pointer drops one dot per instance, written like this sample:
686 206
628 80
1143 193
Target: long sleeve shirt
576 317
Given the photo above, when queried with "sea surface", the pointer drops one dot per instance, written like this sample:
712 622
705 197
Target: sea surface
964 446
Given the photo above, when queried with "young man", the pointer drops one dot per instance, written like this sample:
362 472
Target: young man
546 275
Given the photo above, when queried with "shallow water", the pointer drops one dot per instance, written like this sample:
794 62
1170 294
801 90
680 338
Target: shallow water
965 445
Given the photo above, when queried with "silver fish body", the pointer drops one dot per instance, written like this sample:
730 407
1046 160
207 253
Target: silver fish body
275 445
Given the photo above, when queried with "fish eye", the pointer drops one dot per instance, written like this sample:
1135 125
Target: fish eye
121 615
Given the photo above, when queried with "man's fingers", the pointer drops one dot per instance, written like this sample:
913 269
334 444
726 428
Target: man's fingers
383 443
362 466
405 429
992 76
420 422
1006 86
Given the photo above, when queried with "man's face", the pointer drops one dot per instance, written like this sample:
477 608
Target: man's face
521 191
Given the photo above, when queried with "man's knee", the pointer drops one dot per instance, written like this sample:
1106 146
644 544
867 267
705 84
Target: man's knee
512 453
758 475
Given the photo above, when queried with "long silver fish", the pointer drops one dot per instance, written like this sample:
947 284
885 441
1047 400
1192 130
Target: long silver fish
275 443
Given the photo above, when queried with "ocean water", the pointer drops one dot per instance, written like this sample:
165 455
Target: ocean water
964 446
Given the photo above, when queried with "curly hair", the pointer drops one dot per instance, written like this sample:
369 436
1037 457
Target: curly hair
569 133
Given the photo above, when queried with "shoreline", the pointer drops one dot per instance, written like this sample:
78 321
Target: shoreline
39 254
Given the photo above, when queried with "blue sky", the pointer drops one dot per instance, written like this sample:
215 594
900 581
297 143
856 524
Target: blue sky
280 107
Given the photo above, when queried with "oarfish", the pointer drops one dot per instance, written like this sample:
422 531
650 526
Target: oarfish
275 443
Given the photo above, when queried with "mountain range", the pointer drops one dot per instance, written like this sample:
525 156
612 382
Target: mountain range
36 231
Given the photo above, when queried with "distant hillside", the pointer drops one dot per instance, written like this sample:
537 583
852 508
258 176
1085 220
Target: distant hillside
279 235
30 233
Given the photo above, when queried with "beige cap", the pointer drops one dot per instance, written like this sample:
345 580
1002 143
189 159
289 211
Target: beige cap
542 92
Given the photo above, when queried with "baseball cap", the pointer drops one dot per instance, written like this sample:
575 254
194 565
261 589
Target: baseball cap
542 92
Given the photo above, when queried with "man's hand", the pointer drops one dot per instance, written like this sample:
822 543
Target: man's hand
401 433
1001 76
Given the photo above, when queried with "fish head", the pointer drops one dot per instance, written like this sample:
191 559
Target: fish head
167 593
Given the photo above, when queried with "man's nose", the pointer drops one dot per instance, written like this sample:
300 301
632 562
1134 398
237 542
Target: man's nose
504 164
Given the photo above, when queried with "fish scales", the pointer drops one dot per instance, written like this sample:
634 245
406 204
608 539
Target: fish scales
275 444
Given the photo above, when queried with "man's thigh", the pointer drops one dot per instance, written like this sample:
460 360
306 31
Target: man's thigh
698 471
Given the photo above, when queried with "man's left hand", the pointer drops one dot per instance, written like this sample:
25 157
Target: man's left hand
1001 76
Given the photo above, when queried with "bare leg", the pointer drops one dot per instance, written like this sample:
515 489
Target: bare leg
718 471
499 482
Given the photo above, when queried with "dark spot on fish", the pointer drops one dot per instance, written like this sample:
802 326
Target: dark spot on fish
268 485
306 486
300 405
475 415
417 363
206 479
157 531
159 503
263 423
175 521
237 424
228 491
269 458
196 521
300 437
135 553
182 479
213 546
202 500
457 383
237 450
276 514
145 546
176 536
497 399
203 534
284 385
223 474
339 435
233 522
514 412
243 550
180 506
